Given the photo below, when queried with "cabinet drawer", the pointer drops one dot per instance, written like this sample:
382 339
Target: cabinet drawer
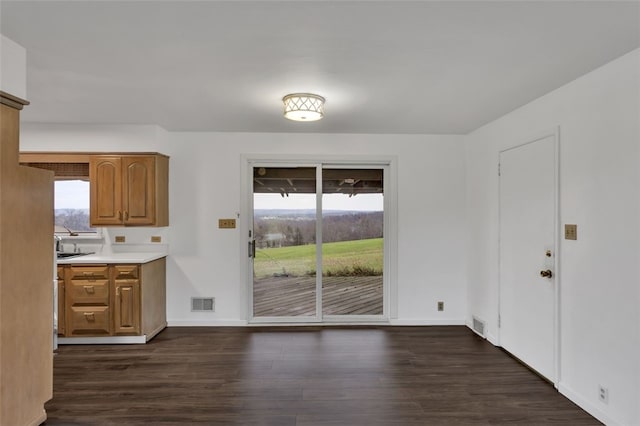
79 272
88 292
84 320
126 272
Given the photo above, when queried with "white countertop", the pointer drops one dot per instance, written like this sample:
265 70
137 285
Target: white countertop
112 258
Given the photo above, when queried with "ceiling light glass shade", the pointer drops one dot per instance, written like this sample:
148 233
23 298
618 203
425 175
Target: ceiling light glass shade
303 107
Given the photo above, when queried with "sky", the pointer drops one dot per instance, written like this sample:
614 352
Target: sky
71 194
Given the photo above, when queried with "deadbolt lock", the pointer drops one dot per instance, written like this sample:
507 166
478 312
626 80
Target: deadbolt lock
546 274
548 253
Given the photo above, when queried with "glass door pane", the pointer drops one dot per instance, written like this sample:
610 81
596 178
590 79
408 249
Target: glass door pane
284 233
352 241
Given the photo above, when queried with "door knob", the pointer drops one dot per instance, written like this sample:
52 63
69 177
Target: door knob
546 274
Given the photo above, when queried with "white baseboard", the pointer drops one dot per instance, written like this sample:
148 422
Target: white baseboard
106 340
241 323
427 322
493 339
206 323
587 406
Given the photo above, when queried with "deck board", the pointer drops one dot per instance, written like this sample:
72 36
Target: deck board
296 296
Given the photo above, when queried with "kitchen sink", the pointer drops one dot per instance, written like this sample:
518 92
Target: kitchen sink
62 255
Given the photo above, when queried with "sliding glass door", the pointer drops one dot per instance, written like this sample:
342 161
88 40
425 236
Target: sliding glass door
317 243
352 241
284 242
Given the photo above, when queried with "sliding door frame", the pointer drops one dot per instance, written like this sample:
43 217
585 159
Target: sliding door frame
388 164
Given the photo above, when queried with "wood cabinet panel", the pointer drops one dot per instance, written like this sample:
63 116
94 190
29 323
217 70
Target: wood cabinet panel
126 271
139 190
26 278
105 183
88 320
88 272
126 312
129 190
88 292
114 299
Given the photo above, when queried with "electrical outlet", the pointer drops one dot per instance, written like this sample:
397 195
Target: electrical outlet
156 239
603 394
440 306
226 223
120 239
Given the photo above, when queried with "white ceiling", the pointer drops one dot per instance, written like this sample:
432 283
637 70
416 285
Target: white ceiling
384 66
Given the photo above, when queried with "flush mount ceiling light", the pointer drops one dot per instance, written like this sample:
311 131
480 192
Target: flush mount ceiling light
303 107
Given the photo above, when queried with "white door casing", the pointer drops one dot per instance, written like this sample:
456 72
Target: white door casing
528 243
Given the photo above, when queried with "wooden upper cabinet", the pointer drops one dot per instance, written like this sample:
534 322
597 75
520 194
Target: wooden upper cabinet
129 190
105 181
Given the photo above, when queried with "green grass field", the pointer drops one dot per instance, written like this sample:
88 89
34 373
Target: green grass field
359 257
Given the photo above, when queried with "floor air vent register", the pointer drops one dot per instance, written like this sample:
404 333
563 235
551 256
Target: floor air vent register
479 327
203 304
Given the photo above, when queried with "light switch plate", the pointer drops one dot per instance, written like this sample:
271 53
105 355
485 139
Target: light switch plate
570 232
120 239
226 223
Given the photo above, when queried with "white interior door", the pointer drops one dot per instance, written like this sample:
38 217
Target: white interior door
527 253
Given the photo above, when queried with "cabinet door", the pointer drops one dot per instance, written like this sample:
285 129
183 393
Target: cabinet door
139 190
126 310
105 176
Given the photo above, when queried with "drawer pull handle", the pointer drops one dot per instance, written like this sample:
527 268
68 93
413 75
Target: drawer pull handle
89 316
90 289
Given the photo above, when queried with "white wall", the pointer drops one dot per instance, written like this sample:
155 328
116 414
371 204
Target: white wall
599 278
205 186
13 68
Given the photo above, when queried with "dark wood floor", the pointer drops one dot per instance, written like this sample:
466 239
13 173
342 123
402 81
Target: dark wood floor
296 296
304 376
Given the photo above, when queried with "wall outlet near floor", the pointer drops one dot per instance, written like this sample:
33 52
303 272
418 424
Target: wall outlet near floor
120 239
440 306
603 394
156 239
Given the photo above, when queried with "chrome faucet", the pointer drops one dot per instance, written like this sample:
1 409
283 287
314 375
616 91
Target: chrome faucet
58 240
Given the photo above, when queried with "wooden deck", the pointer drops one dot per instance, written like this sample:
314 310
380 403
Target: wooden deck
296 296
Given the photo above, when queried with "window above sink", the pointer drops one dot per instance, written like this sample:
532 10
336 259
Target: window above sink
72 207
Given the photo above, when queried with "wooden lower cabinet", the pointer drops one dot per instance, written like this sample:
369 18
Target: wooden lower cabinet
126 310
113 300
87 300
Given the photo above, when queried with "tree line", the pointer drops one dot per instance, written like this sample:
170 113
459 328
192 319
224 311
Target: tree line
293 230
73 219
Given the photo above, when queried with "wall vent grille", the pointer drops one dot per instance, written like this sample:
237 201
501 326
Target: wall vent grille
203 304
479 327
